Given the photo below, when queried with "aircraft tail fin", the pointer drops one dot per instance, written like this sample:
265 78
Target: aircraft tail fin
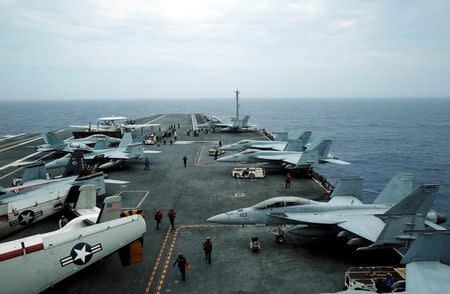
245 121
323 148
101 144
87 197
398 188
51 138
126 140
135 150
352 186
111 209
76 165
294 145
281 136
405 217
34 172
305 137
417 202
299 144
308 158
429 246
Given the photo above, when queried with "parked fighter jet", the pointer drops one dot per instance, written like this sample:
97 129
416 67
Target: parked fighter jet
118 156
427 255
286 159
53 143
114 123
113 156
287 145
236 125
49 258
343 216
38 197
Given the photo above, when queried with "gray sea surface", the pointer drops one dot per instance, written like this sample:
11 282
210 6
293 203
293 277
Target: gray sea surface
378 136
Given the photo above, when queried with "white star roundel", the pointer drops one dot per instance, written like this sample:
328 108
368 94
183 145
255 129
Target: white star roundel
81 254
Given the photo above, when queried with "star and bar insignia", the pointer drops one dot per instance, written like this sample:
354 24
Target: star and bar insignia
81 254
26 217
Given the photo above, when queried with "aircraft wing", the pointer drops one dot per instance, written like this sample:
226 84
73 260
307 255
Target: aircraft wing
116 182
117 155
333 160
151 151
79 126
46 149
367 226
137 126
289 158
275 146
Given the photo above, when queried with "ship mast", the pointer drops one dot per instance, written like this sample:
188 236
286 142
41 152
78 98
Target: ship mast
237 103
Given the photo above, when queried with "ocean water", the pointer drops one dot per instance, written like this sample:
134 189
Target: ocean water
378 136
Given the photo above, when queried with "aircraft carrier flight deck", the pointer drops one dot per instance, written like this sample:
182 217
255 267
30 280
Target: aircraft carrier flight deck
203 189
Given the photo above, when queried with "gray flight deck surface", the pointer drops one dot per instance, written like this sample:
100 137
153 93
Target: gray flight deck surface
203 189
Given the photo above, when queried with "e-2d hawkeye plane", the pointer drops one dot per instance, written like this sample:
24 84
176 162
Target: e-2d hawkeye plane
282 145
35 263
114 123
38 197
112 157
54 143
343 216
286 159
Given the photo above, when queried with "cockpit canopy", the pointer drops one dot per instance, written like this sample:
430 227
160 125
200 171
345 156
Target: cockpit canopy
278 202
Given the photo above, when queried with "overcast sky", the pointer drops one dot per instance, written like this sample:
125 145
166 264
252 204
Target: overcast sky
195 49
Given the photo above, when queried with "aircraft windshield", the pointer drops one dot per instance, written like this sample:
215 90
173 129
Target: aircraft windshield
276 203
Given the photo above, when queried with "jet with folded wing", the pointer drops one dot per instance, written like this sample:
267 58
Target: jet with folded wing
53 143
343 216
118 156
110 157
46 259
236 125
425 252
286 159
37 197
287 145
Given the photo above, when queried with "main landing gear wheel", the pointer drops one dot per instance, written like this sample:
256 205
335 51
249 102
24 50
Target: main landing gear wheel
236 175
251 176
280 239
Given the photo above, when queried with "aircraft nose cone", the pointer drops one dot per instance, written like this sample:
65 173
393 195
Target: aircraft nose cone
220 218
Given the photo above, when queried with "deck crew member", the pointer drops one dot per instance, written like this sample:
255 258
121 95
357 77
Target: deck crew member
158 218
172 214
185 160
207 247
147 164
182 265
287 180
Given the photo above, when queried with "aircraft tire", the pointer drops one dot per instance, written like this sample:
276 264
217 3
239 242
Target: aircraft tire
251 176
280 239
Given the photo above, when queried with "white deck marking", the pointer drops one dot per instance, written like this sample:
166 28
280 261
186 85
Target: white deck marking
15 163
26 142
153 120
195 142
7 137
14 171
